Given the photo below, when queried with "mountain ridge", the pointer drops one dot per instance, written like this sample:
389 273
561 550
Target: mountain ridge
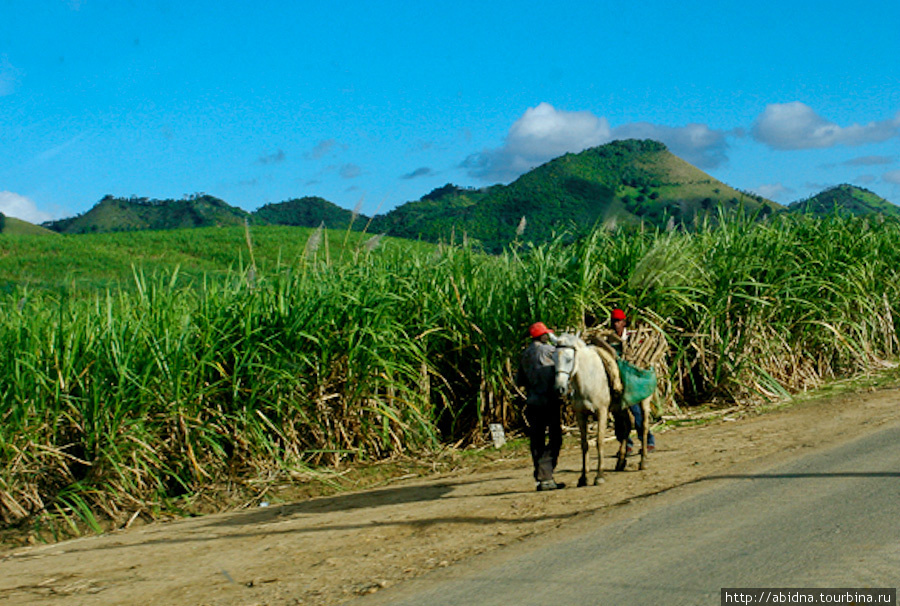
845 200
629 182
132 214
632 181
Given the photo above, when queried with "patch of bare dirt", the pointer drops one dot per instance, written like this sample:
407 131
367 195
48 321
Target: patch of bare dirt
328 550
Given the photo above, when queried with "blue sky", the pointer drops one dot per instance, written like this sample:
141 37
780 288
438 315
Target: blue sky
371 104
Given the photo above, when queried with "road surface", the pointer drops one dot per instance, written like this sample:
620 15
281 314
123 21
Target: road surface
827 519
804 495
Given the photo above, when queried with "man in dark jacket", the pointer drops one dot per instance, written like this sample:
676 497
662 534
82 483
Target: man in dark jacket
537 373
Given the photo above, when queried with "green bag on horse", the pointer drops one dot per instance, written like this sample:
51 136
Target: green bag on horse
638 383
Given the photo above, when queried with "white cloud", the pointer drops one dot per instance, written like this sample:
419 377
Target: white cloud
9 76
544 133
892 177
20 207
773 191
546 130
696 143
541 134
796 126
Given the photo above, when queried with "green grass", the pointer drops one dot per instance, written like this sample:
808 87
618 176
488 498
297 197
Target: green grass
16 227
88 262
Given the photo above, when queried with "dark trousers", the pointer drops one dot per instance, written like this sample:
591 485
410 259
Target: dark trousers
623 425
545 435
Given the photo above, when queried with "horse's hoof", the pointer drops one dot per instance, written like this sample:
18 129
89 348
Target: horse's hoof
582 481
643 465
598 480
620 465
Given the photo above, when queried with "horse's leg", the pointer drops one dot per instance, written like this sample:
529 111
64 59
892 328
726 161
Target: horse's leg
582 429
601 430
645 432
627 419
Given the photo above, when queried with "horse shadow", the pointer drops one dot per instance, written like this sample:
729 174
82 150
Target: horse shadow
368 499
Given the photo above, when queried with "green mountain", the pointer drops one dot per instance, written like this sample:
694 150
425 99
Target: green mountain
310 211
13 226
845 200
434 216
629 182
130 214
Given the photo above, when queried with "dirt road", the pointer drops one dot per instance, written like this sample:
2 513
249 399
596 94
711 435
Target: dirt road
825 518
330 550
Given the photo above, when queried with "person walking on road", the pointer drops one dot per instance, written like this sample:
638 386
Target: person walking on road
543 405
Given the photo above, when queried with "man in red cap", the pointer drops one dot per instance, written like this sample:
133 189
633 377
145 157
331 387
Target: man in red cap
618 320
537 373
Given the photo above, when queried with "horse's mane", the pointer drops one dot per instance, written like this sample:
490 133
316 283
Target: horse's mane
570 340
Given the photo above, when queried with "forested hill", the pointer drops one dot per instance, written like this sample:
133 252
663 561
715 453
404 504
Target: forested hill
14 226
134 214
846 200
130 214
628 182
310 211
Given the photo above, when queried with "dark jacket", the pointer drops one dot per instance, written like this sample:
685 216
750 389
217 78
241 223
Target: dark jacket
537 372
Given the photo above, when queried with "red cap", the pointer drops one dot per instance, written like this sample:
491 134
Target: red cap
617 314
537 329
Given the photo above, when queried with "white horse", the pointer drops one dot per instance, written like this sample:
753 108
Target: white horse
579 366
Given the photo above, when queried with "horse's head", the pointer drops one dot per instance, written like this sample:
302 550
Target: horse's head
565 361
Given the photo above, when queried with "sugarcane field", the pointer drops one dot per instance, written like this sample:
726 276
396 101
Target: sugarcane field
322 429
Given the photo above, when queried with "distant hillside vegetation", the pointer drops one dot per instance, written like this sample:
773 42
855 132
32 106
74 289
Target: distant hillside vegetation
433 216
629 182
13 226
309 211
845 200
130 214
